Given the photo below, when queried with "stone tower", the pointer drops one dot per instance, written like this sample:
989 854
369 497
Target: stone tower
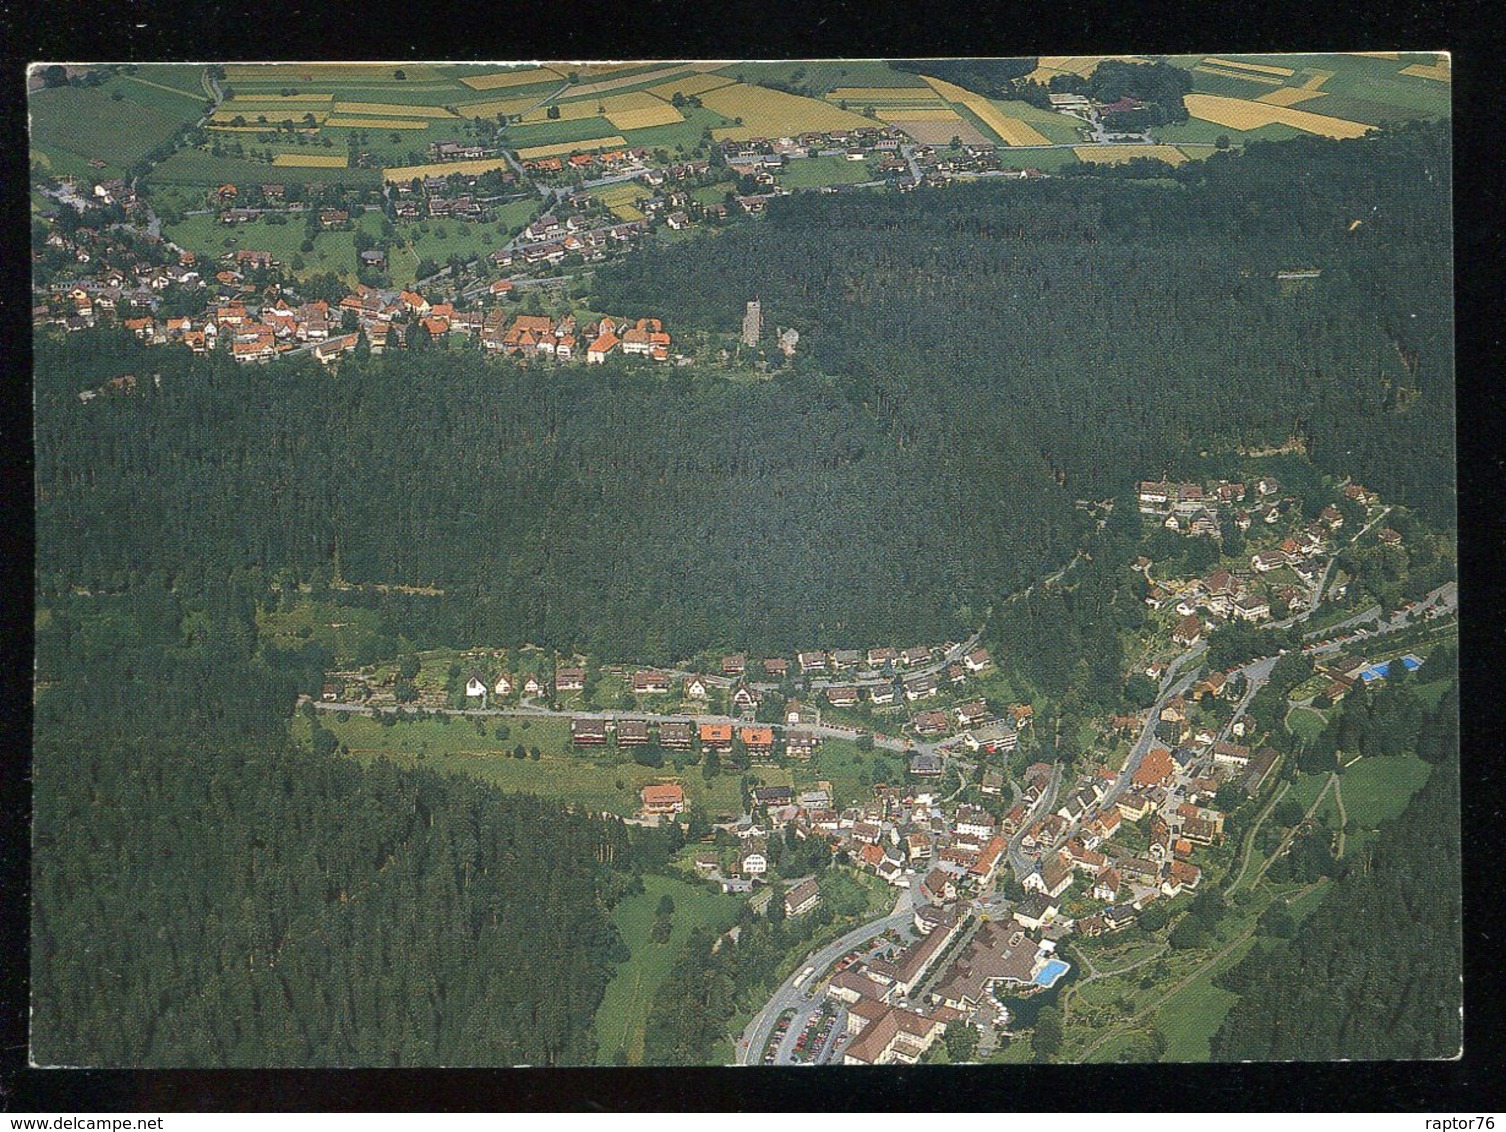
752 324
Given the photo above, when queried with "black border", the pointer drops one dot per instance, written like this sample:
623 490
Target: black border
74 30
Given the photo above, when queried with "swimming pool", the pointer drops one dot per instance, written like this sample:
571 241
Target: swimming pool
1053 970
1380 672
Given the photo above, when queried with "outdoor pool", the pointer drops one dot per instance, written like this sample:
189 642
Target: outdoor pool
1380 672
1053 970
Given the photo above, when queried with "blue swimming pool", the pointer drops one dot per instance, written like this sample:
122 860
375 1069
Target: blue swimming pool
1053 970
1380 672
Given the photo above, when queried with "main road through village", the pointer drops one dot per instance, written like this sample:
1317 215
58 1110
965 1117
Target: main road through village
1179 676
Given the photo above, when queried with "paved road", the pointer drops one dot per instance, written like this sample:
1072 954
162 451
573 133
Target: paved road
755 1036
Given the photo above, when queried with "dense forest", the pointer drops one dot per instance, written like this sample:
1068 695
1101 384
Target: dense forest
1105 329
978 358
207 893
1374 973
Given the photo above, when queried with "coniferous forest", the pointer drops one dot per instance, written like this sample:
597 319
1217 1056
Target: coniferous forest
1375 973
979 358
971 362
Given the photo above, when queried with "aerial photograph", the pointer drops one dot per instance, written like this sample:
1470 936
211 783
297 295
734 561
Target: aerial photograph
817 562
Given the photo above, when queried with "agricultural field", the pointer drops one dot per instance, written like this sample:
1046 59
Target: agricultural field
1059 128
642 78
444 168
688 85
293 74
773 113
75 124
1244 114
581 145
679 136
938 128
623 1013
823 77
1119 154
200 167
1358 90
175 87
1011 131
310 160
526 76
1197 132
1048 67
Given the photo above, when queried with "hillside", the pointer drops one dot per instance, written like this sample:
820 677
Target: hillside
206 894
978 358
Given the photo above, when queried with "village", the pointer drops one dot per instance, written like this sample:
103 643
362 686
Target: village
109 264
999 856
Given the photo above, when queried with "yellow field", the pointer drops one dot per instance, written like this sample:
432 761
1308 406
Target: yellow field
568 112
369 73
524 77
773 113
662 115
690 84
379 123
648 77
1316 79
1289 96
919 114
1392 55
1012 130
1118 154
1246 75
508 106
444 168
392 110
1240 65
566 147
1440 71
1077 64
877 94
310 160
1244 114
